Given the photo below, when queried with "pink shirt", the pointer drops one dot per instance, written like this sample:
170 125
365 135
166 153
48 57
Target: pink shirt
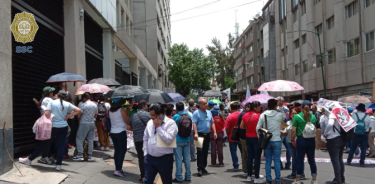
167 131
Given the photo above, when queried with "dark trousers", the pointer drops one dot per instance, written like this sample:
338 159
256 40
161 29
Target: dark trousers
217 145
120 143
141 158
43 147
335 148
306 146
162 165
202 153
362 141
253 153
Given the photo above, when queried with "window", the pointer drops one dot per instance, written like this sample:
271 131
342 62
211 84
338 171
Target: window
296 69
370 41
304 63
296 44
251 64
316 1
303 39
250 48
282 9
351 9
352 47
368 3
294 3
303 8
318 29
282 52
330 23
331 56
251 79
295 15
286 50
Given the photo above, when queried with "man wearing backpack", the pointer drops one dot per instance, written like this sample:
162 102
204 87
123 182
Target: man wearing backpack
182 151
361 132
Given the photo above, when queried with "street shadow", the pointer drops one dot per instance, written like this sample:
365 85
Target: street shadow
239 176
358 166
232 171
42 168
209 173
130 177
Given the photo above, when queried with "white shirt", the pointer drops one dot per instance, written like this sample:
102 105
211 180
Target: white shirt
44 104
332 128
361 115
118 124
372 124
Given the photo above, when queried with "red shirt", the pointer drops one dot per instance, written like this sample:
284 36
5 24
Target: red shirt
219 124
251 128
232 121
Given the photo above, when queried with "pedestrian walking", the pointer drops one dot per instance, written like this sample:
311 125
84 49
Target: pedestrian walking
361 134
273 150
157 159
283 133
182 151
242 136
202 121
371 136
119 116
217 144
86 129
230 123
59 108
305 143
249 122
137 124
103 109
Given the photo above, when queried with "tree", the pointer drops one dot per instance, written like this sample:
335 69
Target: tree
229 83
189 69
223 59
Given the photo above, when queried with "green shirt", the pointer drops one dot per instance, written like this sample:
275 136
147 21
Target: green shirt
300 122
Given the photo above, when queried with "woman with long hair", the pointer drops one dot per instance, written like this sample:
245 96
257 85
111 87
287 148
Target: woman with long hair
250 122
304 145
119 116
59 108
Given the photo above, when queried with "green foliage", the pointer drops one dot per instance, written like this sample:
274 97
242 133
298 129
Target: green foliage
189 69
223 59
229 83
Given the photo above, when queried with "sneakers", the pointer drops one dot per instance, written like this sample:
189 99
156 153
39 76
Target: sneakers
204 171
296 182
279 182
260 176
235 169
76 158
314 182
248 178
45 160
259 180
58 168
107 148
200 173
102 148
244 174
119 174
25 161
176 181
90 159
291 176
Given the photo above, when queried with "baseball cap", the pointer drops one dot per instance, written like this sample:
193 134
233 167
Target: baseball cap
211 103
47 90
369 110
279 98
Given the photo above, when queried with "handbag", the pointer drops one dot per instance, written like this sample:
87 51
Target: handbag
235 133
264 136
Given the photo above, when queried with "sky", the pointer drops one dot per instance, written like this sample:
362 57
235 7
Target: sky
198 32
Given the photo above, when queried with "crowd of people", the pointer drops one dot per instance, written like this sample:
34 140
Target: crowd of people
294 127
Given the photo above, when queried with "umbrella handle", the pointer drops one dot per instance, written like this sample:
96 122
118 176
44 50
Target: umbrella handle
74 84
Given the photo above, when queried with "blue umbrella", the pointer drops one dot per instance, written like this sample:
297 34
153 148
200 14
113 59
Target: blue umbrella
177 97
372 106
66 77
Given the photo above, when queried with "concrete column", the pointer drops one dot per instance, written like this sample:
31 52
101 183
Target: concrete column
74 29
108 59
6 109
143 78
133 66
150 82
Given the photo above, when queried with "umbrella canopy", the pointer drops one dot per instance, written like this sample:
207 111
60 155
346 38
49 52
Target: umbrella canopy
302 102
355 99
372 106
93 88
216 101
154 96
108 94
211 93
280 85
66 77
223 93
128 91
260 97
177 97
105 81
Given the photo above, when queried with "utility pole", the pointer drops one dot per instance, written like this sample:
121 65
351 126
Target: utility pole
236 26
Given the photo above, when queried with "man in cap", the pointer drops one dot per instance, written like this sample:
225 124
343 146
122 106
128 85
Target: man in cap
283 133
361 132
371 136
137 123
47 98
211 104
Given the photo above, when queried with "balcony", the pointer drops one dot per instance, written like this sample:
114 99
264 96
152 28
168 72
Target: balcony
243 60
237 65
237 53
249 72
243 45
249 57
248 41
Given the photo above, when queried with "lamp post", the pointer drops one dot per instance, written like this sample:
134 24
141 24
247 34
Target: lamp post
321 57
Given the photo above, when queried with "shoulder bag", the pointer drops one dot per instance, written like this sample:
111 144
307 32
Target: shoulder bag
264 136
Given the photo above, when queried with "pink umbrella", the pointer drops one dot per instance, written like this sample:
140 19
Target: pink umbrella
262 98
280 85
93 88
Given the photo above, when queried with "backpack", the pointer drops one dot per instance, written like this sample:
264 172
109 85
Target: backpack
360 129
345 136
309 131
102 111
184 125
106 124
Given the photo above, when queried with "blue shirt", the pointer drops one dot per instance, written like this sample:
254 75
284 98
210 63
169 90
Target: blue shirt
203 120
176 118
59 114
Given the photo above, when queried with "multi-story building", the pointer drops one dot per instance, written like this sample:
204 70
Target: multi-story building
346 32
152 29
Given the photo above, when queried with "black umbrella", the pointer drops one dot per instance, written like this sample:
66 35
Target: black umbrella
301 102
66 77
105 81
128 91
154 96
108 94
211 93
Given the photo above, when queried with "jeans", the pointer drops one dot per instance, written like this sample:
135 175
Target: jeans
349 145
86 131
253 153
335 148
306 146
293 152
244 155
162 165
120 143
362 141
202 153
192 147
288 156
217 146
233 152
182 151
141 158
273 150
